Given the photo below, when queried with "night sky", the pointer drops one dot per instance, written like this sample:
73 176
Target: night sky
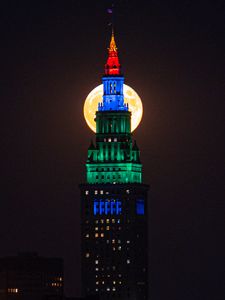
173 54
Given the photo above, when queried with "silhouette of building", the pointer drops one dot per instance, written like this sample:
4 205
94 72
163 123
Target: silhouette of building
114 200
31 277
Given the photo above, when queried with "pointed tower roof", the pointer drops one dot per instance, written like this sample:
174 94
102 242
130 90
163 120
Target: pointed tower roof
135 146
112 66
112 45
92 146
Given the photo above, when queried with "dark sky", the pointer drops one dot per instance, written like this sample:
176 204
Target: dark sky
173 55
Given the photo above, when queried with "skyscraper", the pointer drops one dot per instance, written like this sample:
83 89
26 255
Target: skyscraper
114 199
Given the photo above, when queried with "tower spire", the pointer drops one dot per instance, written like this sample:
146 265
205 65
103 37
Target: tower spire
112 66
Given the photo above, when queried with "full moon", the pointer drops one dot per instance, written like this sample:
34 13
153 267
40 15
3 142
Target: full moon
130 97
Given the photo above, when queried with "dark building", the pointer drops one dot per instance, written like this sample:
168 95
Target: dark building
31 277
114 200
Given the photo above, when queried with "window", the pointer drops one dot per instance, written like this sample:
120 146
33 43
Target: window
87 255
128 261
86 192
96 235
102 234
96 192
13 290
140 207
87 235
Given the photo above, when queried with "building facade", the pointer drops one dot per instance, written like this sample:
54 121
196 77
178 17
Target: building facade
114 200
31 277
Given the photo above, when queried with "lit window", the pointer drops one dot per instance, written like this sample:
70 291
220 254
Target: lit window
96 221
96 192
108 275
96 228
87 235
102 221
107 193
120 282
97 282
113 220
101 192
13 290
115 139
86 192
128 261
96 235
119 248
114 248
107 221
114 268
128 191
114 288
118 221
102 234
119 241
96 262
113 241
107 227
96 290
96 276
140 207
96 269
103 282
128 242
87 255
109 139
119 275
114 282
107 241
108 289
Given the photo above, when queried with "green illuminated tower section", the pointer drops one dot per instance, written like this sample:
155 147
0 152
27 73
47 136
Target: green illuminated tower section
114 206
114 158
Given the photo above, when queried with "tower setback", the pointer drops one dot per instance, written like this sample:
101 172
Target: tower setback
114 200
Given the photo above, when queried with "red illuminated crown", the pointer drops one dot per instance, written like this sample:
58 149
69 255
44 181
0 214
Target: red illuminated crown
112 66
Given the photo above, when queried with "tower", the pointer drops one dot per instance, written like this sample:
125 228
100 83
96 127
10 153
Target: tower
114 199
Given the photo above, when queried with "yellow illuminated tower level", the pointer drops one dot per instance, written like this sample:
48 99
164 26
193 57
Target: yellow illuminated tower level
114 199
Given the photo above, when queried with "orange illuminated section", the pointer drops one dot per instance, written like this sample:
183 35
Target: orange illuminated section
112 66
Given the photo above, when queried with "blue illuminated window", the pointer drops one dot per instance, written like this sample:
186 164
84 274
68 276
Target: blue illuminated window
107 207
140 207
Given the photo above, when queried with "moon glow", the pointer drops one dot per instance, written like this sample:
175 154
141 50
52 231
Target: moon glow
130 97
